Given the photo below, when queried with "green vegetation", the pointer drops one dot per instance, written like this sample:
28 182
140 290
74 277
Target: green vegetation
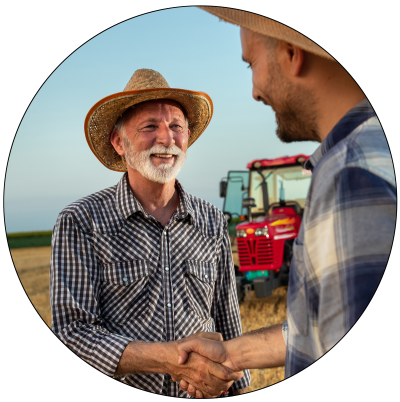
232 228
29 239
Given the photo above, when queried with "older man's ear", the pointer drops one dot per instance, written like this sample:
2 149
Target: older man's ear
116 142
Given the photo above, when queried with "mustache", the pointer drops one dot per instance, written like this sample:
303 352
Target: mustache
160 149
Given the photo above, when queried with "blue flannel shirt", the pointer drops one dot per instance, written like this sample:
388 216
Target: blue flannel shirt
345 237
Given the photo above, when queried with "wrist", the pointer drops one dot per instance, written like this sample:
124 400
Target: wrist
168 355
142 357
234 355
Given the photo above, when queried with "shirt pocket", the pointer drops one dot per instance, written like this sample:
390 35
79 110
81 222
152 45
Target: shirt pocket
124 291
297 293
200 285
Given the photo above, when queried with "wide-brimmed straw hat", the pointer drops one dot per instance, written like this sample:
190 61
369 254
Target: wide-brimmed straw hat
144 85
268 27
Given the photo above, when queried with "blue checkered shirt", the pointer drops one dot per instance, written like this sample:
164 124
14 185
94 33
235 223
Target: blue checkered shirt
345 238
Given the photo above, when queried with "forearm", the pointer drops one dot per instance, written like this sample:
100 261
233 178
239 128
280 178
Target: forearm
144 358
262 348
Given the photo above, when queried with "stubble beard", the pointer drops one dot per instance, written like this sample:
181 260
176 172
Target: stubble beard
295 110
141 161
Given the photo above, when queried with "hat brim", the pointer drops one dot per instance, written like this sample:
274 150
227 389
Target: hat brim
268 27
104 114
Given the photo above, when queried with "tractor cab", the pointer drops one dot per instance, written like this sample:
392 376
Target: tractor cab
264 207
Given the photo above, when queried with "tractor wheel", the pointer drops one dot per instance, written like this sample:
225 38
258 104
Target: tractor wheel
237 272
281 278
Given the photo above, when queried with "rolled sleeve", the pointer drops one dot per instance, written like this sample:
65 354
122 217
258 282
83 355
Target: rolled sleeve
75 281
227 314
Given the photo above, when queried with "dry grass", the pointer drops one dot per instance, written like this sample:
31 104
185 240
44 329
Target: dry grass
264 312
33 265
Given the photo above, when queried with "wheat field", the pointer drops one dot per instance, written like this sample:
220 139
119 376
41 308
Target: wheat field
33 264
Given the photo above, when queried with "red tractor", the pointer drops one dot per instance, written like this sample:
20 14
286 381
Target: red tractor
268 199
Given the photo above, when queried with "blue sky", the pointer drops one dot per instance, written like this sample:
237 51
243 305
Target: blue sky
51 164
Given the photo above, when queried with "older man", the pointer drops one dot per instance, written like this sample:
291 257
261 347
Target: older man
143 264
349 218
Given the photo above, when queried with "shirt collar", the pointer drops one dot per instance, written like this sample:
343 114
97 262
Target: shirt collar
128 204
346 125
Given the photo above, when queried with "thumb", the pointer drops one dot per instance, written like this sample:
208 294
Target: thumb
184 349
182 356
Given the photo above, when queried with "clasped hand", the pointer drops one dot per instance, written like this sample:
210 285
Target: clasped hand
206 369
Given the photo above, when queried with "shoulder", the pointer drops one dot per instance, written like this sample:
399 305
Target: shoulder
93 212
365 148
359 168
207 216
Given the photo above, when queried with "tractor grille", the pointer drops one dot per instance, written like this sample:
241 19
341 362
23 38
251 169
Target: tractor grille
255 251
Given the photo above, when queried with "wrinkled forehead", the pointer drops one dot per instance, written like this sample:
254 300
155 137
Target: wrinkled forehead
156 107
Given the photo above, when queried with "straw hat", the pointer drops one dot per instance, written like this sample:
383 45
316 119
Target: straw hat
143 86
266 26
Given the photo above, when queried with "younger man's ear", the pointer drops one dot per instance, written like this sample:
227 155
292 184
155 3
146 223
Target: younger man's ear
291 58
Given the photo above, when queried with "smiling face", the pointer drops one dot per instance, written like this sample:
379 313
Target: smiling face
292 103
154 139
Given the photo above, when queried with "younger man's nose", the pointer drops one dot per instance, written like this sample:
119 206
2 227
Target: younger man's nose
256 96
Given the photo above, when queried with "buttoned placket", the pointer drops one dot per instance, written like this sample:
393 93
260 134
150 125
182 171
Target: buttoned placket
168 296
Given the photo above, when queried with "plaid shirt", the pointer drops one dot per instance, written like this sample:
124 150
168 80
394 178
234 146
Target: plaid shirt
118 275
345 238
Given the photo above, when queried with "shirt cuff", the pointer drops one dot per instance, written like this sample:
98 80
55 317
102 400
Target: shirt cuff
106 351
285 332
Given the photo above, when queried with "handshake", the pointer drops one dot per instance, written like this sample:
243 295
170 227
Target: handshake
203 363
205 366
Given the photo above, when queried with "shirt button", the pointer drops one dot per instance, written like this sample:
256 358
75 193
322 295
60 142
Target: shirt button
169 305
206 276
164 233
125 279
167 268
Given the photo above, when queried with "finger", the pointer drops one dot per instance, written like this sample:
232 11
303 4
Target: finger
183 385
209 385
224 373
199 394
191 390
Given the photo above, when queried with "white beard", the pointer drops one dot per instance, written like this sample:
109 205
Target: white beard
141 161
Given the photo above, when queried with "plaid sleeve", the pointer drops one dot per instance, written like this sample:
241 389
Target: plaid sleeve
75 280
348 247
285 332
226 306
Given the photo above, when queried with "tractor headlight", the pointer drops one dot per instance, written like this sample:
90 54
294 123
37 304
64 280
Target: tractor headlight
241 233
262 232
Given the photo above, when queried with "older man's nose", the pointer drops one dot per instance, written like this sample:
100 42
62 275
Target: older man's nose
165 136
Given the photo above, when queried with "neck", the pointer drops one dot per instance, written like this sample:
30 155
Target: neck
336 93
158 200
